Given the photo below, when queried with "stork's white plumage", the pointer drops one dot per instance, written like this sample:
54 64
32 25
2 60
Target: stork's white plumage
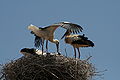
47 33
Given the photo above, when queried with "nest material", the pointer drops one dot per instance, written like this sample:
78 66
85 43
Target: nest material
50 67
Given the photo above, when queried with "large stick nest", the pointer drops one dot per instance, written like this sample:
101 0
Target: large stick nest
49 67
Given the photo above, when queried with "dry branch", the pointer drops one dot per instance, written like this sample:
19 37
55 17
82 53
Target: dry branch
50 67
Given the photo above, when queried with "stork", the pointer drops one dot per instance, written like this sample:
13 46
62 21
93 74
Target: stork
77 41
47 33
31 51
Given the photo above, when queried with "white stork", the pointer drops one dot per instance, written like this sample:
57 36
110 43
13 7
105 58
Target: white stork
47 33
77 41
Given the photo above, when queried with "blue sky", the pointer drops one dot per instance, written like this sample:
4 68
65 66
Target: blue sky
99 18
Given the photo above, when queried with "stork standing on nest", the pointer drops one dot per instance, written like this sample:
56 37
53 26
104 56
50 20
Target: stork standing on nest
77 41
47 33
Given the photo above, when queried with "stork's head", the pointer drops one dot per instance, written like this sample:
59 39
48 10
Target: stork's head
33 28
56 41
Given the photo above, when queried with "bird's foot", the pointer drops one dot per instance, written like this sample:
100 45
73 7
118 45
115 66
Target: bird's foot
47 53
59 53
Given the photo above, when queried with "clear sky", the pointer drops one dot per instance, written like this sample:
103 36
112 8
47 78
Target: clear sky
99 18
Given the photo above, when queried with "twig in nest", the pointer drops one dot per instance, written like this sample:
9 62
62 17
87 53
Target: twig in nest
49 67
51 73
88 58
2 76
96 73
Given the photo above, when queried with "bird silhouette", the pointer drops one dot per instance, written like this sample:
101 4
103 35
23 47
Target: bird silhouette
47 33
77 41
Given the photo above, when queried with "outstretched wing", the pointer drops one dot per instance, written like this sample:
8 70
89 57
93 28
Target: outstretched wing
71 28
38 42
51 28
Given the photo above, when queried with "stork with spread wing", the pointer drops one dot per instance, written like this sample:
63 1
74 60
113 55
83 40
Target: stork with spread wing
47 33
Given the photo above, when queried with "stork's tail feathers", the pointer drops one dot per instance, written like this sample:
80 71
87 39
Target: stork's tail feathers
38 41
83 43
90 43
